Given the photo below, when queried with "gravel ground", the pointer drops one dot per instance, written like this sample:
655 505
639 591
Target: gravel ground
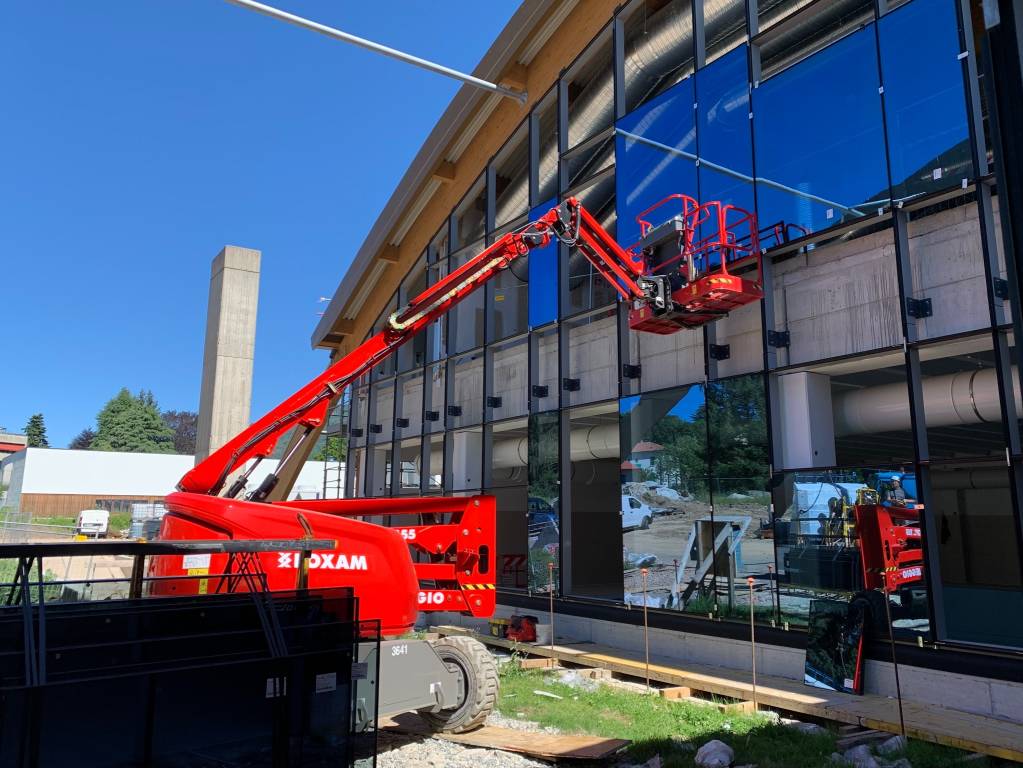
404 751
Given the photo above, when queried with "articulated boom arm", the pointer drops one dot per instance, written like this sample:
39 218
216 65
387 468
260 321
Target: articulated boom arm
569 223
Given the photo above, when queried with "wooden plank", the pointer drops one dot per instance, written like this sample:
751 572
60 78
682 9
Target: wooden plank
927 722
676 692
546 746
538 663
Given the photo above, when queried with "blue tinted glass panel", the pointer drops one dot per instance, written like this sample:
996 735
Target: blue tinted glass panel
925 105
543 276
723 124
656 154
819 141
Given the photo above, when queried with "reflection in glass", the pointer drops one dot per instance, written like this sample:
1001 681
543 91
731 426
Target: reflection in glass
467 396
820 146
586 287
597 522
545 388
656 150
544 501
851 535
509 385
410 456
511 179
546 125
508 298
925 103
507 483
437 331
470 218
737 429
589 88
434 399
411 388
724 23
381 421
665 498
412 354
466 459
466 319
592 357
658 48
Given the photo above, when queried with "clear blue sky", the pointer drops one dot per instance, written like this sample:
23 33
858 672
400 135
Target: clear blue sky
137 137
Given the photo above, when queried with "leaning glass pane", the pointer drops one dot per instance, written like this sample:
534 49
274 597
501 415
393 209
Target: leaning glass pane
466 406
586 287
924 99
665 498
592 357
724 23
508 386
590 91
656 151
466 319
820 149
511 178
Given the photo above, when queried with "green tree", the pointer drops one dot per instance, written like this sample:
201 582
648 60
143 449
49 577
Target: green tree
185 425
333 448
83 440
132 424
35 431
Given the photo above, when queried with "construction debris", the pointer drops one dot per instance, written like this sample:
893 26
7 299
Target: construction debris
714 754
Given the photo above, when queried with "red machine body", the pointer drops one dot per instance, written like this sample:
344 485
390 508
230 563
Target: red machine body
446 561
891 548
714 241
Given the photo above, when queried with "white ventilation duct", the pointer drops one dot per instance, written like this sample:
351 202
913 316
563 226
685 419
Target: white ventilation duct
967 397
588 443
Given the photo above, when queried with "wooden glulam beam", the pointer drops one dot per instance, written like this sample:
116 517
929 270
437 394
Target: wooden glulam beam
390 254
445 172
514 77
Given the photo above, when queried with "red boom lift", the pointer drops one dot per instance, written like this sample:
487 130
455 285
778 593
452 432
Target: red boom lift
453 681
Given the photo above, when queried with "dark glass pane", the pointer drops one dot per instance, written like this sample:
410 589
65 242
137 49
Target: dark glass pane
410 455
596 530
589 87
546 126
543 276
804 33
508 295
467 396
924 99
471 215
437 331
466 459
978 543
512 535
544 501
510 371
587 288
546 388
656 151
658 48
511 179
820 149
592 357
466 320
724 23
412 354
962 409
589 159
665 498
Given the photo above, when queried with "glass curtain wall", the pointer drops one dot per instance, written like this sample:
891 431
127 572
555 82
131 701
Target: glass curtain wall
842 128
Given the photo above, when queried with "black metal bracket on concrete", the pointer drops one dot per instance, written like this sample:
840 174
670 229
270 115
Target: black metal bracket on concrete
454 410
778 339
632 371
432 415
401 422
719 351
919 308
1001 288
540 390
357 432
376 429
571 385
494 401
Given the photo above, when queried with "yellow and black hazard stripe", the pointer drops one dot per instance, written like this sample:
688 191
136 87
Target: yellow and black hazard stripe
479 586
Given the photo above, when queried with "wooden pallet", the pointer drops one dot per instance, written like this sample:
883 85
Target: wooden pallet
953 728
546 746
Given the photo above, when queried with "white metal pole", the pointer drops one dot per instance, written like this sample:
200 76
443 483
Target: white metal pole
337 34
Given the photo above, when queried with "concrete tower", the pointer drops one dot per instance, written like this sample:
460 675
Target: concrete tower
226 394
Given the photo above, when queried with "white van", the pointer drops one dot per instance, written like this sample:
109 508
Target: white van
92 522
635 514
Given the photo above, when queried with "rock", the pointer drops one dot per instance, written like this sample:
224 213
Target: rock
891 746
861 757
714 754
811 729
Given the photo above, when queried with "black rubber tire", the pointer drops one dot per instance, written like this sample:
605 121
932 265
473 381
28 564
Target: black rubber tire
644 524
479 671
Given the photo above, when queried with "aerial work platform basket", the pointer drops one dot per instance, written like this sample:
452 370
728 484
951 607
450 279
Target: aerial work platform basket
711 255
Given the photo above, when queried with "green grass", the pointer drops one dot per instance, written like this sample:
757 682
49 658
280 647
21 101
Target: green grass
675 729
